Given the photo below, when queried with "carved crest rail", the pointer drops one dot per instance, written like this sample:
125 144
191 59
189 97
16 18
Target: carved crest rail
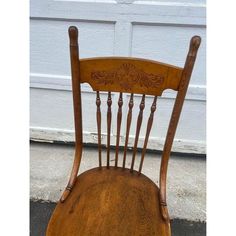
129 75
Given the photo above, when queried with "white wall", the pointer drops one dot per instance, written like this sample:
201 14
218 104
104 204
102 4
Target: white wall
158 30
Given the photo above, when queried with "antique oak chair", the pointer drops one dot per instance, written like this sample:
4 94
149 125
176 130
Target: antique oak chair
113 200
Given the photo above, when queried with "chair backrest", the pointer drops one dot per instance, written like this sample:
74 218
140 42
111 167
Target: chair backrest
134 76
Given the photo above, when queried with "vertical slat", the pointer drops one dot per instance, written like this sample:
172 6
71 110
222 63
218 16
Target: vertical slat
185 78
149 126
139 123
119 118
109 102
129 118
98 103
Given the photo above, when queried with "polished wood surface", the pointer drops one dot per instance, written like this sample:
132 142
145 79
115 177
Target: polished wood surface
185 78
113 200
138 126
149 127
75 71
119 118
129 118
129 75
109 102
98 103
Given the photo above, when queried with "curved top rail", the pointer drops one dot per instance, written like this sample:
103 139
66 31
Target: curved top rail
129 75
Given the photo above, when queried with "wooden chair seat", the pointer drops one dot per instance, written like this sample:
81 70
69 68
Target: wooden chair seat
110 201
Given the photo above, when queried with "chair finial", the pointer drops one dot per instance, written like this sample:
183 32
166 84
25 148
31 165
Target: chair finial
194 45
73 34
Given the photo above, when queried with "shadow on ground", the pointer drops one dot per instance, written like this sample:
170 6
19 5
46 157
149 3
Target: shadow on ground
40 213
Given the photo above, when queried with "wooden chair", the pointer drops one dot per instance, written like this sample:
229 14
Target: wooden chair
112 200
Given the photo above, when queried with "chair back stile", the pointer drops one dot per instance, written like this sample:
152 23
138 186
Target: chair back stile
182 90
76 91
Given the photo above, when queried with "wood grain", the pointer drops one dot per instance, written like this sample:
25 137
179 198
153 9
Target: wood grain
75 71
185 78
119 118
110 202
129 75
98 103
128 123
109 102
149 127
114 200
139 123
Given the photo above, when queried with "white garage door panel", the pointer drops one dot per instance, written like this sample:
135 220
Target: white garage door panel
49 44
129 11
158 30
53 111
169 44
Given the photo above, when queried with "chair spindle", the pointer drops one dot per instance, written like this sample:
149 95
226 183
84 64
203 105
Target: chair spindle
129 118
139 123
149 126
98 103
109 102
119 118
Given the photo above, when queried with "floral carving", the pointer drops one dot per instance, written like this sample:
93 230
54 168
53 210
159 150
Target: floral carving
126 75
